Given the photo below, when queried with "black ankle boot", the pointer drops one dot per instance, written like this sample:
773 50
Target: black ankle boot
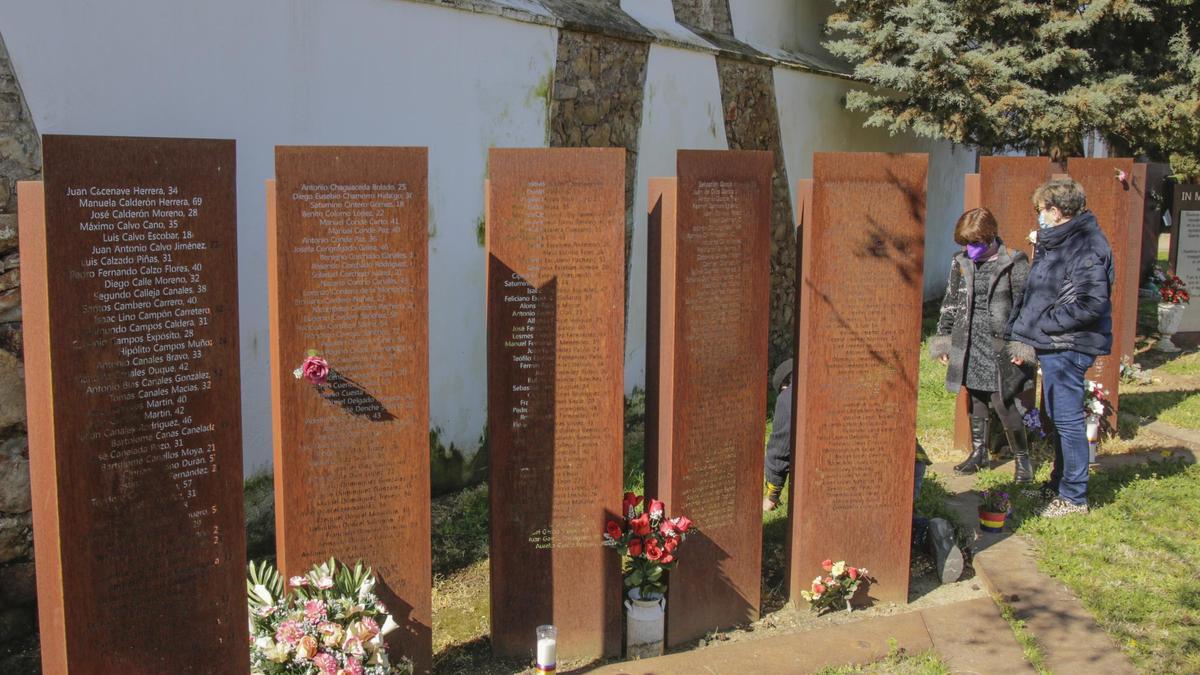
1019 442
978 459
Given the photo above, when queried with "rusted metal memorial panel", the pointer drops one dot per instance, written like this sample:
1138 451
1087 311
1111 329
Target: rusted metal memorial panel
856 371
555 334
711 255
348 275
129 275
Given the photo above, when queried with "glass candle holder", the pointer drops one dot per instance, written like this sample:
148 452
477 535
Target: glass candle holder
547 649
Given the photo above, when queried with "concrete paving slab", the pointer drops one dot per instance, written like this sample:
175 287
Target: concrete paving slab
804 652
972 637
1067 633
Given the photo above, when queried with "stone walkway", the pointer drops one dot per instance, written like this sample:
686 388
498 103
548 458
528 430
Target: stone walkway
1005 563
970 636
1007 566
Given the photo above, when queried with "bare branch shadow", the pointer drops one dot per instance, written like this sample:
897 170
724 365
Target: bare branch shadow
894 360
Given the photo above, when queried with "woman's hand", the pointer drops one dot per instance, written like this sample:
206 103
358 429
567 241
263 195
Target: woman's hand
944 360
1018 362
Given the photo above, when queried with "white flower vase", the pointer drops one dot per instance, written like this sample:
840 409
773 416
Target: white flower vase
1169 316
1093 436
645 620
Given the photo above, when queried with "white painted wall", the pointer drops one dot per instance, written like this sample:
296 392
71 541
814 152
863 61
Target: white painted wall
267 72
384 72
658 16
681 110
650 11
770 23
793 25
812 118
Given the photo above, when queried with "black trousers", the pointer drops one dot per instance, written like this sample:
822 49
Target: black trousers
1010 418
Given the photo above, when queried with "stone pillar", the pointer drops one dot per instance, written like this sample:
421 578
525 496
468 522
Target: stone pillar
596 102
752 123
709 15
20 159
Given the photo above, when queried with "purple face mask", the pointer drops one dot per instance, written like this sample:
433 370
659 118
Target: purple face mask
979 252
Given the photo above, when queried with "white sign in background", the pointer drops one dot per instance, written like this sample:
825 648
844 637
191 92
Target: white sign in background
1187 266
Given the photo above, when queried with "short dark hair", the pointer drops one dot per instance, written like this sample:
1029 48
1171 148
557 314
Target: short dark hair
1063 193
976 226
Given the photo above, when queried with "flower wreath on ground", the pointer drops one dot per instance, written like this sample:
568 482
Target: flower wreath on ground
328 622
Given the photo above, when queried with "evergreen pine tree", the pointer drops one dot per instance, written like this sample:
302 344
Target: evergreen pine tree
1037 76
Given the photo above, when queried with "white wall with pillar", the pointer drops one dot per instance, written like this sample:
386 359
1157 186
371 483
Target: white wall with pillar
352 72
391 72
813 118
681 111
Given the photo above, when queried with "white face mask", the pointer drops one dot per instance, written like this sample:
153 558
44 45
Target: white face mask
1044 220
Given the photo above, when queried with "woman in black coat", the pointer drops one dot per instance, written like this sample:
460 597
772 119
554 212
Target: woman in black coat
986 280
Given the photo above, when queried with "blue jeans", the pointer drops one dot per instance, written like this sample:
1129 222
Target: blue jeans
1062 390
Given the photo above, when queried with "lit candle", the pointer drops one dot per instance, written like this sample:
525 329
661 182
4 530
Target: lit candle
547 649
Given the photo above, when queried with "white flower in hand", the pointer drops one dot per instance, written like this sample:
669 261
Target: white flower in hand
1032 236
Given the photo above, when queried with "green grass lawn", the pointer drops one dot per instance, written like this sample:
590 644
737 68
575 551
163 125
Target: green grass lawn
1184 365
1174 397
1179 407
935 405
1134 560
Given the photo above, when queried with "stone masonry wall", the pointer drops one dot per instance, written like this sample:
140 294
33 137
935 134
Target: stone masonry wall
20 159
709 15
596 102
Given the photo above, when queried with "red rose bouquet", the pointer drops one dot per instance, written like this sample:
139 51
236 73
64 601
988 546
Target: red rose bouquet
1171 288
649 541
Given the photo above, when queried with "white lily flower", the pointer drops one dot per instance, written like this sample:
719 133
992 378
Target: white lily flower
389 625
263 594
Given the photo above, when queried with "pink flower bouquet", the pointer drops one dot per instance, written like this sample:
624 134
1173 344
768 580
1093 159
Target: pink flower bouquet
836 585
328 622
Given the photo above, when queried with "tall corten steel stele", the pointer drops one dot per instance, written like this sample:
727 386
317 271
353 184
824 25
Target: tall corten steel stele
860 292
347 233
129 278
707 378
555 336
